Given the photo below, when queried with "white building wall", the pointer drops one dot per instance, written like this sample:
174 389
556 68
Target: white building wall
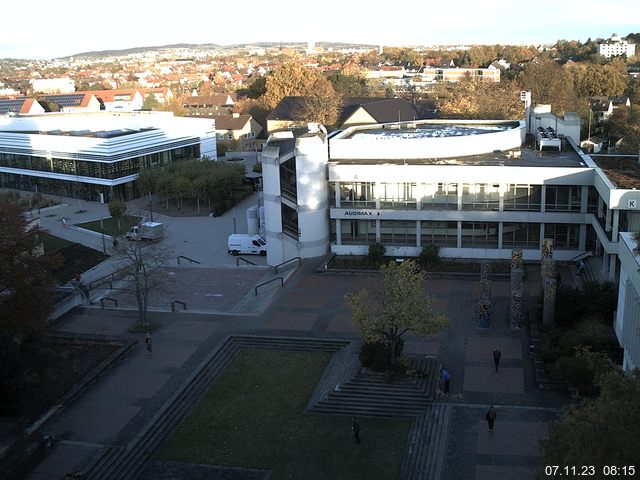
313 202
627 319
344 147
270 159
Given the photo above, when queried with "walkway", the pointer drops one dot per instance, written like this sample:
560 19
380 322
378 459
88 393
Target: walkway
311 305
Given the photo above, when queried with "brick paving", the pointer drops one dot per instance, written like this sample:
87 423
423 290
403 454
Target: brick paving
312 305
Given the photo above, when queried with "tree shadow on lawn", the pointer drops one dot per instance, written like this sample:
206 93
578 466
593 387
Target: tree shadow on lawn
253 418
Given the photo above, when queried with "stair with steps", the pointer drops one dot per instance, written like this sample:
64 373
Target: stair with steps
427 443
370 393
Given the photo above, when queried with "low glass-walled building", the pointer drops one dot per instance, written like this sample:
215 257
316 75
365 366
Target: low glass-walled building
97 156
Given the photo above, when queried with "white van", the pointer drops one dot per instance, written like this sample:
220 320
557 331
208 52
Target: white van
242 243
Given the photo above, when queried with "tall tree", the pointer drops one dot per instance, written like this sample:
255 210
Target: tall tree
549 83
293 79
117 208
24 276
398 304
602 433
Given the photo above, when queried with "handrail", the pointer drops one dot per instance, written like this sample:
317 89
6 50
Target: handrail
266 283
244 260
581 256
102 300
173 305
187 258
110 276
287 261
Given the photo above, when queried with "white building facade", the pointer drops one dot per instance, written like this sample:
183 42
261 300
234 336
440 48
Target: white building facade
615 47
96 156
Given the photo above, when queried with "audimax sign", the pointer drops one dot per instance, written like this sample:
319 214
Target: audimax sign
361 213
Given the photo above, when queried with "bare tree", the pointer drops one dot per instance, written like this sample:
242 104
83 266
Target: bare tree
141 263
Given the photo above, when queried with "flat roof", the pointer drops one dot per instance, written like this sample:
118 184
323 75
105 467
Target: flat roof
410 130
622 171
522 157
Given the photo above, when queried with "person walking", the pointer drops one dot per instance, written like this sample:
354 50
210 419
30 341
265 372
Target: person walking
580 268
490 417
147 342
445 379
355 426
497 354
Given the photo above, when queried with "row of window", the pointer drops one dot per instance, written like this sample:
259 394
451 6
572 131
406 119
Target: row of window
445 234
85 168
444 196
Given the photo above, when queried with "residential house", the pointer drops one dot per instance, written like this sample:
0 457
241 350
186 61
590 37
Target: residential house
237 132
123 100
355 111
78 102
20 105
209 105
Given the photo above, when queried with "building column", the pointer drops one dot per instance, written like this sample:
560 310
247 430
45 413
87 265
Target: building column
612 267
607 221
459 235
418 236
501 190
336 193
541 237
460 188
338 231
584 199
615 226
500 230
543 198
600 203
378 224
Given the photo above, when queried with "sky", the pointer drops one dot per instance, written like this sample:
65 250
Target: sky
43 29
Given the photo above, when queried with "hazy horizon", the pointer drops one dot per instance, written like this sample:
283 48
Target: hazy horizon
62 32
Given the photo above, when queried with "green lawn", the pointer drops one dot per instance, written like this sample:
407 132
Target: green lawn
52 244
111 225
76 258
253 418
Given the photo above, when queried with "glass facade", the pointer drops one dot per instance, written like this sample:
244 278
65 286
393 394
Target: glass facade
479 235
398 232
106 170
562 198
477 196
442 234
521 235
439 196
358 231
564 236
426 197
523 197
89 170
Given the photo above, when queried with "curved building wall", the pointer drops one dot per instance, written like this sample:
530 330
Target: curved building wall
366 143
313 203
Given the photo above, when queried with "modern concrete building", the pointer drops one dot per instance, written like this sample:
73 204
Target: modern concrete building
476 189
96 156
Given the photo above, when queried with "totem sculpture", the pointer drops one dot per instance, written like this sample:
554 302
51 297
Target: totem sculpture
484 307
517 274
548 270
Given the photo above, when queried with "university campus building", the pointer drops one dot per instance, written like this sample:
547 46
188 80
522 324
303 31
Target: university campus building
96 156
476 189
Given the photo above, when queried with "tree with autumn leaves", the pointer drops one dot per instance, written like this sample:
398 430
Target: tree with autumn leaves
25 280
396 304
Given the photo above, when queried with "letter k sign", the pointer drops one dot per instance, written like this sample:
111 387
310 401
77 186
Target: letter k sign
632 203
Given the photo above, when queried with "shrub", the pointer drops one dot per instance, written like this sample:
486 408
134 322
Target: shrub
376 253
378 356
429 256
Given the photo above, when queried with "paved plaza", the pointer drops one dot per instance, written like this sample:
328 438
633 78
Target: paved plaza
221 301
